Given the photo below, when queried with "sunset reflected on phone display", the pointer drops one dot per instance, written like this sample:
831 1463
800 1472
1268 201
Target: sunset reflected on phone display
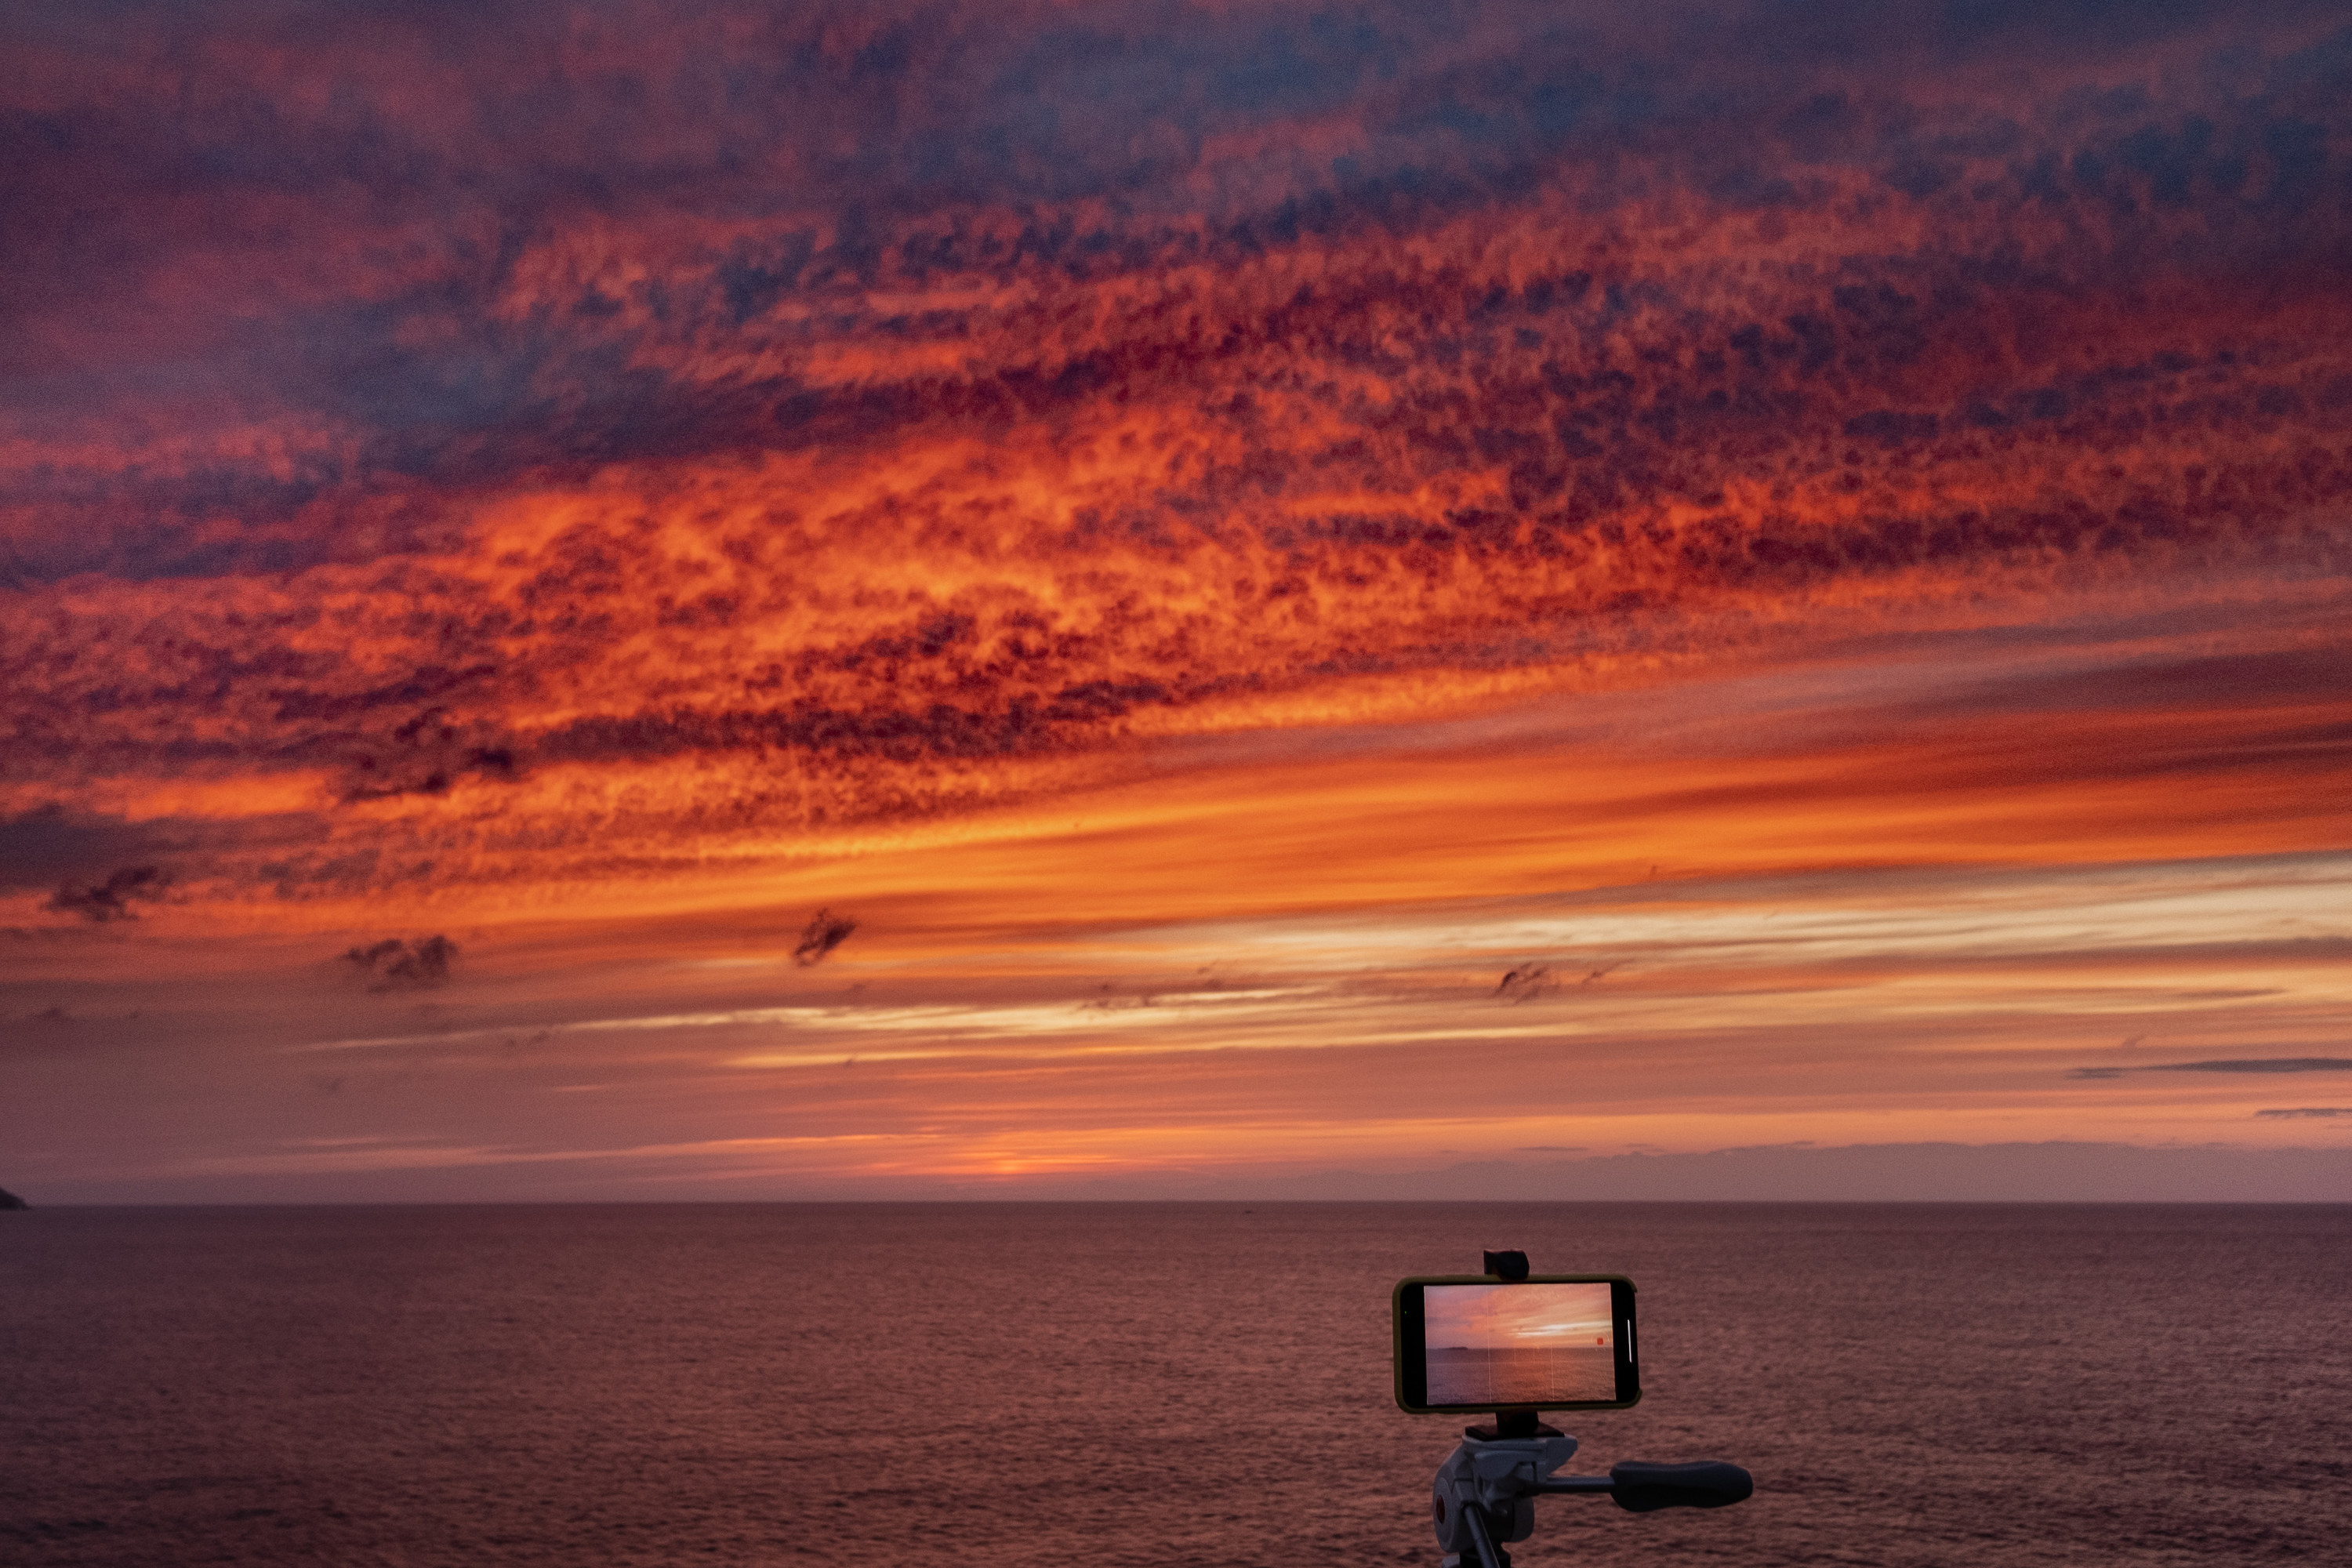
1531 1343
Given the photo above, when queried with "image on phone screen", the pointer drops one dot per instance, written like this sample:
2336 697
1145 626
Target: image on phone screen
1519 1344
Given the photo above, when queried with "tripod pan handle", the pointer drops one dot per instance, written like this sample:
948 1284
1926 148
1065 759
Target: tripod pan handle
1641 1488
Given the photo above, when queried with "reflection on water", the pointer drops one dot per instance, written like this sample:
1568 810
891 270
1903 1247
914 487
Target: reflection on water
1461 1376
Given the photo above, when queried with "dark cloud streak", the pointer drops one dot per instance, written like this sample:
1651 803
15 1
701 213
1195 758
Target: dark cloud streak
111 899
826 931
392 965
2239 1065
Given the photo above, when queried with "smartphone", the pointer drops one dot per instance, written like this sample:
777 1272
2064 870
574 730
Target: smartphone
1551 1342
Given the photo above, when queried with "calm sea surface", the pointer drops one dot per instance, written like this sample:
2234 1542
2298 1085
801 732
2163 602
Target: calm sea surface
1133 1384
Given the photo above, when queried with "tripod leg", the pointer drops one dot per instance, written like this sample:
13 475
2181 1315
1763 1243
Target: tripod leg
1489 1555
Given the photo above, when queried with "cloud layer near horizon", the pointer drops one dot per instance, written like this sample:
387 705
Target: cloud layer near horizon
573 476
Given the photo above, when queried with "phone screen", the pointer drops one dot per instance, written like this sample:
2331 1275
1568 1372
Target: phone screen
1538 1342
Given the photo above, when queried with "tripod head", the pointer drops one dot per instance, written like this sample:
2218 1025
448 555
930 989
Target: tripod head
1485 1491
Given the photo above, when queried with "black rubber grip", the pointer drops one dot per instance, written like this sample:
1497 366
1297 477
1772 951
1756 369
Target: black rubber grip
1641 1487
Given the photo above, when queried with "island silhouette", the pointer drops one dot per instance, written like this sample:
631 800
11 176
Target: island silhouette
9 1200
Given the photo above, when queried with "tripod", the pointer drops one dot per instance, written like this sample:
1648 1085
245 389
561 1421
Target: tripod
1485 1490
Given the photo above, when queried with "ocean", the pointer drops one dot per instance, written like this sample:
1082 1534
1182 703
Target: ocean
1014 1384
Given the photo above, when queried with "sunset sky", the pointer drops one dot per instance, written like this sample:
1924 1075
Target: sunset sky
1506 1317
1147 599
